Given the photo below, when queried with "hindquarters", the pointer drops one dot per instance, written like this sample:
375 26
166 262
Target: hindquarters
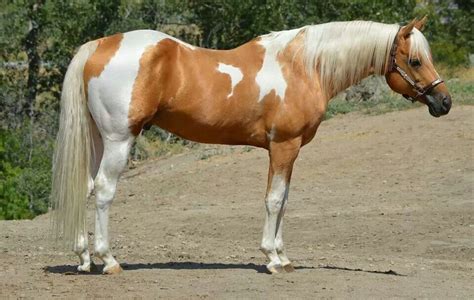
110 75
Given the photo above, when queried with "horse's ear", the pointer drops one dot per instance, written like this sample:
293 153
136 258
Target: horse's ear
406 30
420 25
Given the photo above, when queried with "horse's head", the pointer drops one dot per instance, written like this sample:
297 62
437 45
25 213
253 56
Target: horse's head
411 71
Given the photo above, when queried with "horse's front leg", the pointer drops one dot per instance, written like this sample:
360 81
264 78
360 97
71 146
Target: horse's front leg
279 246
282 158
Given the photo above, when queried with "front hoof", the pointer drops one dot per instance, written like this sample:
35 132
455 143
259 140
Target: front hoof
275 269
288 268
115 269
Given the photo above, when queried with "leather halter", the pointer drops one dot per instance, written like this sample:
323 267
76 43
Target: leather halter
394 67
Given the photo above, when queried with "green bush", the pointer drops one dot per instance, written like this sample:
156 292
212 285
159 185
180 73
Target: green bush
13 204
449 54
25 173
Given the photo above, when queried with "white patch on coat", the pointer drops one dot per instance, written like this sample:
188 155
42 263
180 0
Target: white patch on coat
110 94
234 73
270 77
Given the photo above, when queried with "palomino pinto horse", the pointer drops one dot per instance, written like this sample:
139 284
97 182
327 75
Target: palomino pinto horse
271 92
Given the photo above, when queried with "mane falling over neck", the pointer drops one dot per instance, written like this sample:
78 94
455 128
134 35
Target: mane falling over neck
344 53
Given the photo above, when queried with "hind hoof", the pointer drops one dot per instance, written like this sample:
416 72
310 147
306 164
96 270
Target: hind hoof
115 269
84 268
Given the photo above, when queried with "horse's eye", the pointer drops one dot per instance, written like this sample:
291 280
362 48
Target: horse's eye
415 63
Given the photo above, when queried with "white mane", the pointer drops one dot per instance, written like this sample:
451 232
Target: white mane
343 53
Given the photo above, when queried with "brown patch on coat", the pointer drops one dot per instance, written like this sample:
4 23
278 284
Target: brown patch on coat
106 49
181 90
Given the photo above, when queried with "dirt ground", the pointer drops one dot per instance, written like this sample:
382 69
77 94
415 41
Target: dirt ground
380 207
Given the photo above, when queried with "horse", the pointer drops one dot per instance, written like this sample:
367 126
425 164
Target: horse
271 92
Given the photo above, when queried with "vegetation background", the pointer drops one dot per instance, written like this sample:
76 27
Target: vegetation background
38 38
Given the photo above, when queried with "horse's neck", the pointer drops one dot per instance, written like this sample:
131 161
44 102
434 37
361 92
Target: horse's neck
333 92
340 56
347 71
293 56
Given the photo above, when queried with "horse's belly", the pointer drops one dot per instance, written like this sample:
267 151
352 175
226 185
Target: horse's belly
222 128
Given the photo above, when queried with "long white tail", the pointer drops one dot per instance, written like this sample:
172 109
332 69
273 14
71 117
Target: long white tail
73 154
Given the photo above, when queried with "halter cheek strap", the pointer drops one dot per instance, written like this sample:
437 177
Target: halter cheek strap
394 67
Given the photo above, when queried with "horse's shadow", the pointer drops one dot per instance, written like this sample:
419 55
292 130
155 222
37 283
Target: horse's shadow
186 265
189 265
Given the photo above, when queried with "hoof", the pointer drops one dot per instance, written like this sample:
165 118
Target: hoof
275 269
115 269
84 268
288 268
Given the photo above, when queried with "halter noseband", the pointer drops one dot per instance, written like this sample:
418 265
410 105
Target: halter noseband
394 67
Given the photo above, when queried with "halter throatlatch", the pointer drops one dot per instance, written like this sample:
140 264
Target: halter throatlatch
394 67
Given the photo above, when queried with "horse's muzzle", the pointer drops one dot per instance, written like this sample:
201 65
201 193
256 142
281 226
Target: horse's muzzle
438 104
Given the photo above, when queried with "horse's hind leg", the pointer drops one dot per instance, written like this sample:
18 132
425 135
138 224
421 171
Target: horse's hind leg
113 161
282 157
81 247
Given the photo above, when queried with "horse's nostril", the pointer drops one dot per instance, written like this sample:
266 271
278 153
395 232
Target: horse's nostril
447 102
